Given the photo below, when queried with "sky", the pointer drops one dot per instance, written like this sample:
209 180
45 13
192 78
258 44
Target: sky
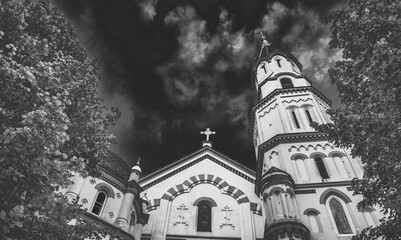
176 67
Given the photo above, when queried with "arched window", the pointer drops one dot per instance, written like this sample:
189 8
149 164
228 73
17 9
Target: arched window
310 115
99 203
295 118
339 217
314 220
204 216
321 167
286 83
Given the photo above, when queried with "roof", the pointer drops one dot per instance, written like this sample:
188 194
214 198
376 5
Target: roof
191 159
116 165
270 55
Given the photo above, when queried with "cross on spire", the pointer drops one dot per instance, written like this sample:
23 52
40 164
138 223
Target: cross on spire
265 43
208 133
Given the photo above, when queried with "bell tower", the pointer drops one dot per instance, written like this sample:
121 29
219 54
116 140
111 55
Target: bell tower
287 105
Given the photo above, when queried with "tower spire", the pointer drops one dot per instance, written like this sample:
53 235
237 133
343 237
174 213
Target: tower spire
265 44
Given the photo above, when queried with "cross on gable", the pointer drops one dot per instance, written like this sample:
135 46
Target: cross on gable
208 132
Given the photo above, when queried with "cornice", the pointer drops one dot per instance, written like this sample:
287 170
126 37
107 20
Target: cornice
111 178
275 229
322 184
277 75
279 139
191 163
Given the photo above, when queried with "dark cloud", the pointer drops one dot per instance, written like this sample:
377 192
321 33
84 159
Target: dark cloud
175 67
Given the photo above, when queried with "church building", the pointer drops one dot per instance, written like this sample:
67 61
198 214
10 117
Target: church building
301 189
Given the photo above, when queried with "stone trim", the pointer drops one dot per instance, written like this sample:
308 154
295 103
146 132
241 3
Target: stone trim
256 208
311 211
332 191
105 188
207 156
188 184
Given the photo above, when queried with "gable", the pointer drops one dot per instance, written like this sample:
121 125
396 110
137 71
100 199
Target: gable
204 154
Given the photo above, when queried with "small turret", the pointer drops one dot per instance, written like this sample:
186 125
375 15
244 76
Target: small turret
283 217
135 171
276 70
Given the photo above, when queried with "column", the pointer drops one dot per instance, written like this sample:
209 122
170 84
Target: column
76 187
334 174
340 166
125 210
274 212
141 222
302 169
161 222
278 206
311 165
290 205
268 210
296 208
296 171
246 219
285 205
349 167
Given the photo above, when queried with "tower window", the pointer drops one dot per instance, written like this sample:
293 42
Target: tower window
278 62
286 83
204 217
320 166
308 115
294 116
339 216
99 203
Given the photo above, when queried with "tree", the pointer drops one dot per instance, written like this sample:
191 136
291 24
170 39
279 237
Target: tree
52 122
369 84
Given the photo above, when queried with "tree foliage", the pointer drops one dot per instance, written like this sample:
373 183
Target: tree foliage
369 84
52 122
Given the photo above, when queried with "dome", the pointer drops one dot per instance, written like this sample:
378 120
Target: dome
137 168
115 165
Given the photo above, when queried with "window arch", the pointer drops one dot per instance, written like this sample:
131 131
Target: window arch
321 167
286 83
100 202
204 223
339 216
314 220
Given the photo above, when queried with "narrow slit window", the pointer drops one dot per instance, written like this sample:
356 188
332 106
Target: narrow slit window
278 62
309 116
99 203
320 166
294 116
